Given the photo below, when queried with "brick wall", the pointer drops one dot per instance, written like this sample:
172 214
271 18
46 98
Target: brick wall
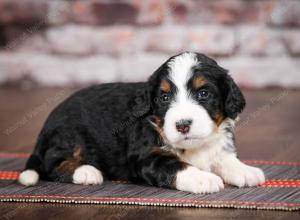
60 42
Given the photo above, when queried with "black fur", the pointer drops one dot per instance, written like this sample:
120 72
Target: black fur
235 101
110 124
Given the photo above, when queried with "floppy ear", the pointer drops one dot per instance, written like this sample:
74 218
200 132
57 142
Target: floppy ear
234 100
141 105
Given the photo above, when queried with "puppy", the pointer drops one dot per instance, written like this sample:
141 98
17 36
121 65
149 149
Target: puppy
175 131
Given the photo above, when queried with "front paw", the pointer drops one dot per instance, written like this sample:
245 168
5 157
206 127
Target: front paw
243 175
87 175
196 181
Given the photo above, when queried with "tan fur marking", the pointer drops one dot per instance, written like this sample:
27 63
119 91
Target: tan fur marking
72 163
219 118
198 83
165 86
158 127
162 152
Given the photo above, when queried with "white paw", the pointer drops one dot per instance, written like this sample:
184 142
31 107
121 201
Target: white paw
196 181
29 177
87 175
242 175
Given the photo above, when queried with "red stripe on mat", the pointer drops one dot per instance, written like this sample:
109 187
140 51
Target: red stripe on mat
152 200
9 175
14 175
281 183
285 163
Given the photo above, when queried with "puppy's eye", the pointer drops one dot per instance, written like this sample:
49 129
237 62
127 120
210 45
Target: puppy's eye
203 94
165 97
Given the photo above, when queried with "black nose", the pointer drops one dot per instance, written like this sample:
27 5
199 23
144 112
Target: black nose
183 126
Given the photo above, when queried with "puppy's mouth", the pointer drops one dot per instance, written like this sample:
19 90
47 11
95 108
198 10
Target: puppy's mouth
189 138
187 141
186 138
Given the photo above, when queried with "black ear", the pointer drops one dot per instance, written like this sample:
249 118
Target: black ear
141 102
234 100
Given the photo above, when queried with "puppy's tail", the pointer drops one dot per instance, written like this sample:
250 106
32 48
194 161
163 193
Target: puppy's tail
30 176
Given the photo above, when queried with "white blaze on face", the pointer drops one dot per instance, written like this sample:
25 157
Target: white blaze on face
184 107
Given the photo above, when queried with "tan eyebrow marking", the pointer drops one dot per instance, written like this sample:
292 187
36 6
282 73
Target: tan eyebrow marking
165 86
199 82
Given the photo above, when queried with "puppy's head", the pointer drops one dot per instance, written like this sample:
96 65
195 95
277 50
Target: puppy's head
192 96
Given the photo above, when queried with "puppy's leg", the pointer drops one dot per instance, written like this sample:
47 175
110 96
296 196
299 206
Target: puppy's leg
169 171
194 180
236 173
63 166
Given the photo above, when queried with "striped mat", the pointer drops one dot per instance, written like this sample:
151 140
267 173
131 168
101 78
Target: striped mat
281 191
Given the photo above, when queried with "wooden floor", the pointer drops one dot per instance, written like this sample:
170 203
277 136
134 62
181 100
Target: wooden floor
269 129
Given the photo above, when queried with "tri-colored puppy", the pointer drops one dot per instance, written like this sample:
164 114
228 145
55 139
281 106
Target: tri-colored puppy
175 130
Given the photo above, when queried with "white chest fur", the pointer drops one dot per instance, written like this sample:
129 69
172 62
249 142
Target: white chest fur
212 149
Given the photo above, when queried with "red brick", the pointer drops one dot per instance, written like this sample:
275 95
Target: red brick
261 42
282 13
2 37
65 40
14 35
169 40
138 68
224 11
179 10
292 41
48 70
152 13
116 41
104 13
81 12
22 12
263 72
214 41
235 11
59 12
115 13
34 43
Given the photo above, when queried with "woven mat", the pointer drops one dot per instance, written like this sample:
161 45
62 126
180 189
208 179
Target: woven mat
280 192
